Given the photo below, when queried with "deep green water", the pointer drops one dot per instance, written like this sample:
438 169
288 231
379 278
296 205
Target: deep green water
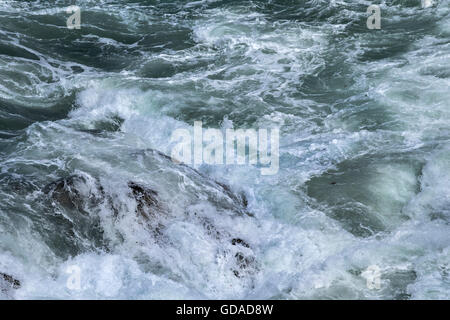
364 175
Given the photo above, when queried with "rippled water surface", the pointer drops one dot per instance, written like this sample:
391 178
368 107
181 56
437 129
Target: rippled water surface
364 179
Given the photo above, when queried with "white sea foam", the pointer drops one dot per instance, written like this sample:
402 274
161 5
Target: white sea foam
301 250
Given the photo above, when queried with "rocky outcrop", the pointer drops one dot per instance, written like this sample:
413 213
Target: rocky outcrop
83 195
76 193
239 199
244 257
220 195
147 201
7 284
73 192
246 263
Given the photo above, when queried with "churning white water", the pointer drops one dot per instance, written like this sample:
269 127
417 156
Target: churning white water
364 178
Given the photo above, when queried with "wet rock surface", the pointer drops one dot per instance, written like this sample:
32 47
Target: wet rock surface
10 280
84 195
73 193
246 262
7 284
147 200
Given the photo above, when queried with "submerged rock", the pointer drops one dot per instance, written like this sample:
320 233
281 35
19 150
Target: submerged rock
8 282
147 200
241 242
246 262
76 193
239 199
217 193
202 200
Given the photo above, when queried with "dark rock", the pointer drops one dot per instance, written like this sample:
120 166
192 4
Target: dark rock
77 69
241 242
239 199
67 192
11 282
243 253
84 194
147 201
62 191
211 228
217 193
245 263
103 127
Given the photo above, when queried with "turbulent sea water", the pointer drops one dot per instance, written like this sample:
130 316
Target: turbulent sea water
364 179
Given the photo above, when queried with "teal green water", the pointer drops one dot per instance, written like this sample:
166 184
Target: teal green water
364 121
